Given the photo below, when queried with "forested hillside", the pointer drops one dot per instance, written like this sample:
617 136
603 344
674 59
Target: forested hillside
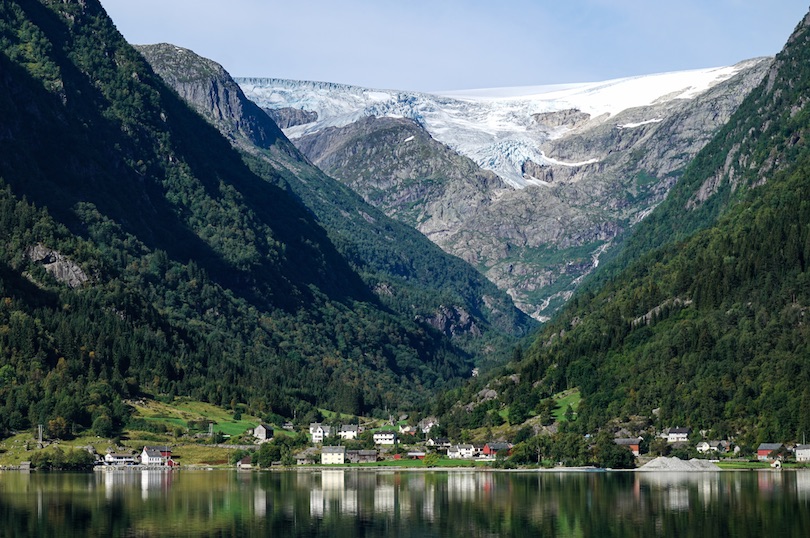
196 275
706 326
408 273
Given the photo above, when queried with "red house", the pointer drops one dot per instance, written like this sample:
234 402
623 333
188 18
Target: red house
765 449
631 444
492 449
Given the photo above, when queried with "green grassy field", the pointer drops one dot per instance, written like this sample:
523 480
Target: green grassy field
182 411
754 465
570 397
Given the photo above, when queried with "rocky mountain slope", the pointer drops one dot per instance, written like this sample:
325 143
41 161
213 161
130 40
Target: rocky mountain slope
578 166
703 321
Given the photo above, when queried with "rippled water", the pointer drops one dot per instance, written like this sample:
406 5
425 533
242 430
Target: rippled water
405 503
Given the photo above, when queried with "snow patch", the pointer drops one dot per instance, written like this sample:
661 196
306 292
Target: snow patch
549 160
410 138
639 124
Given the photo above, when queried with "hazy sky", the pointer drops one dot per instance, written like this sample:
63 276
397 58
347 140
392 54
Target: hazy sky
435 45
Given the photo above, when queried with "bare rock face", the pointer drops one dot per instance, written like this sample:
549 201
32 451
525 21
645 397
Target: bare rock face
571 118
394 164
212 92
453 321
57 265
291 117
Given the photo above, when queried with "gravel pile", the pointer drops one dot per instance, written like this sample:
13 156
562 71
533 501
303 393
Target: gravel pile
677 464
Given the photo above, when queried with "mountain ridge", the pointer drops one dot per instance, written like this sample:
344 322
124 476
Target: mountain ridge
538 243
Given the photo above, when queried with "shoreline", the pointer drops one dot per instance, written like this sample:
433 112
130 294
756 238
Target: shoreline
382 468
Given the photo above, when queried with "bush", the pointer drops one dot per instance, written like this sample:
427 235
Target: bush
58 459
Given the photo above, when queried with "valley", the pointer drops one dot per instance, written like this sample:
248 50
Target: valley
556 269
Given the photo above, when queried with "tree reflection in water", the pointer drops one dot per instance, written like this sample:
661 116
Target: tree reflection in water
454 503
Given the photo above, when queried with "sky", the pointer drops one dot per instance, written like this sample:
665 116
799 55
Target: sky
437 45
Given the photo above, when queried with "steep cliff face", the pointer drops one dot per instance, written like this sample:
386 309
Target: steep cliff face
596 178
290 117
57 265
206 85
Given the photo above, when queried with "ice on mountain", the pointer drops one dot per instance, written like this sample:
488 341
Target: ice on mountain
493 127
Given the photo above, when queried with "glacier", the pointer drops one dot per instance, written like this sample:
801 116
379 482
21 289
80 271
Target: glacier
495 127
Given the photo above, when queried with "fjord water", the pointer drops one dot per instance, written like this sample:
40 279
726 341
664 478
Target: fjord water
356 503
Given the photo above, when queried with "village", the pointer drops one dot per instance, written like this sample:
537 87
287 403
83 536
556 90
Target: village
352 444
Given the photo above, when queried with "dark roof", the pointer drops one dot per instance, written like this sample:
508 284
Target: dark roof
498 446
680 430
629 441
770 446
334 449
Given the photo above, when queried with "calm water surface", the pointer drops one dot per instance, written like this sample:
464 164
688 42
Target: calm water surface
356 503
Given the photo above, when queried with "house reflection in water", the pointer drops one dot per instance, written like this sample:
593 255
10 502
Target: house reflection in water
153 482
332 495
463 486
803 485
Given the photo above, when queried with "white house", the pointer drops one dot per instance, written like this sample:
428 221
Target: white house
438 442
461 452
678 435
802 452
152 456
120 459
712 446
319 431
349 431
263 432
333 455
385 438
